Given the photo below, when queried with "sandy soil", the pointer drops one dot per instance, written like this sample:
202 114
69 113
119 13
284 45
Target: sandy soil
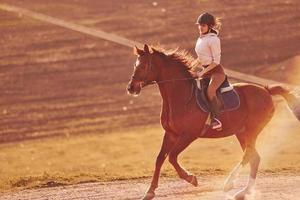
55 81
269 187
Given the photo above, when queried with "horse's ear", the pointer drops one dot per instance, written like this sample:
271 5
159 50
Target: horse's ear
137 51
146 48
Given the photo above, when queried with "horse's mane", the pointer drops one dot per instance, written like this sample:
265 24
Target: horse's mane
181 58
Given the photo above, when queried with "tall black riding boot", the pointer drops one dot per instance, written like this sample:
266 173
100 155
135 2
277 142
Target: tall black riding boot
214 109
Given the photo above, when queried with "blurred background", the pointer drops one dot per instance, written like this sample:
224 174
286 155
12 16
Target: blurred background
63 95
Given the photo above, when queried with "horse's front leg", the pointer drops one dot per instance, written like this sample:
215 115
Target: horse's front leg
167 144
183 141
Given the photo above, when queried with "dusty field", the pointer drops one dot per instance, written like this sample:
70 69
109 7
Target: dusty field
128 155
56 82
269 187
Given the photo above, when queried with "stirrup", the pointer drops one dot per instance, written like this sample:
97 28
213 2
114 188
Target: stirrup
216 126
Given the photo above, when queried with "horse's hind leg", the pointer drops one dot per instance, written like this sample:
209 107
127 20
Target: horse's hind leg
251 156
229 183
183 141
167 144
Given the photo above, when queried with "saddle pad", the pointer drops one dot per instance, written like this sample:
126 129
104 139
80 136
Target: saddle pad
228 98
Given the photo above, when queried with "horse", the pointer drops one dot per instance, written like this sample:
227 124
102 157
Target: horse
183 122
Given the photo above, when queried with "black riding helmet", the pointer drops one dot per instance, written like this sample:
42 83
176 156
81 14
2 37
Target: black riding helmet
206 18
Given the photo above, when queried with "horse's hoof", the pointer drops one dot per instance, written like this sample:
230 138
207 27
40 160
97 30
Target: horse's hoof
228 186
149 196
242 194
193 180
239 198
229 198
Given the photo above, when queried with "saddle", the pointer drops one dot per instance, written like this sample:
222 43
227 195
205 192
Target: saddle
227 97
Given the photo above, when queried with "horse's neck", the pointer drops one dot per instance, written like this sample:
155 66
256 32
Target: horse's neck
176 92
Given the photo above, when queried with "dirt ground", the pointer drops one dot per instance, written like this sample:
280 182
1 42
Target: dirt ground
268 187
54 81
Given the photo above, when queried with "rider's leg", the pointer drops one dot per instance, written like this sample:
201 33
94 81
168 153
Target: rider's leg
216 80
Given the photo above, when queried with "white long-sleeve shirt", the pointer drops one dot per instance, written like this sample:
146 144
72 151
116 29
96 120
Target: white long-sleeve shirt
208 49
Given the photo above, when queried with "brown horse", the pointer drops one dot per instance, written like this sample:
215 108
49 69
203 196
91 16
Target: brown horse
183 121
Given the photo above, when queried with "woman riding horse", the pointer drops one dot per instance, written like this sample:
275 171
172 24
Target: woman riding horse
208 50
183 121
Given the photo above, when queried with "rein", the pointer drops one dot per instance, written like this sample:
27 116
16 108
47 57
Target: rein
145 82
149 69
170 80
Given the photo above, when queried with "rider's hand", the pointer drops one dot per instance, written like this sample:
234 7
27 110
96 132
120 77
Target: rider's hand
200 73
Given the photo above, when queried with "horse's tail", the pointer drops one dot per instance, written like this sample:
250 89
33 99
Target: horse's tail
292 100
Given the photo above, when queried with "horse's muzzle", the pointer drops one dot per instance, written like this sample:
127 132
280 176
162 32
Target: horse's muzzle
134 88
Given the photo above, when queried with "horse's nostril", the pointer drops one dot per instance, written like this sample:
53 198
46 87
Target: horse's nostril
130 88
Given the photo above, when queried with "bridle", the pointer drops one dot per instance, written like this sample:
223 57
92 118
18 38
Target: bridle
145 82
146 76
